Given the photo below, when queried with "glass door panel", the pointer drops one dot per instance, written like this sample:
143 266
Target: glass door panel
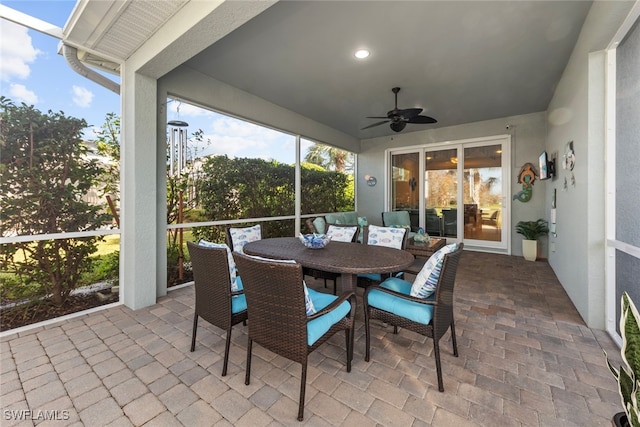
482 193
405 185
441 192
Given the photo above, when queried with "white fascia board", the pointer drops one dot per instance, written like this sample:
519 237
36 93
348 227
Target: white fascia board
30 22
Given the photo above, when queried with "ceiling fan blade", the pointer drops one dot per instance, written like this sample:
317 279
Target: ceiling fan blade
377 117
408 113
422 119
375 124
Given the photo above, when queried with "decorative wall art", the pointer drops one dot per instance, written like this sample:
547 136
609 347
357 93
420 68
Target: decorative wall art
526 177
568 163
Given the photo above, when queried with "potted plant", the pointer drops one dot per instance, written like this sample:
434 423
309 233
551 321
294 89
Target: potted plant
531 231
627 376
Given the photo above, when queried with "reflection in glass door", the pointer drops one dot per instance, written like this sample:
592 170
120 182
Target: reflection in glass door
441 192
405 185
482 193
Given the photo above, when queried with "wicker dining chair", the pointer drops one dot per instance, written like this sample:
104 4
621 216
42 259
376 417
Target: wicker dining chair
393 295
279 322
328 275
215 302
366 280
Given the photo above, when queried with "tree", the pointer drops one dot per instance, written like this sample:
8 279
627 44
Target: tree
108 145
45 172
330 158
238 188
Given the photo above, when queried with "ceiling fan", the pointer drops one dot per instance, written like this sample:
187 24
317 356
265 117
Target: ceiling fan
400 118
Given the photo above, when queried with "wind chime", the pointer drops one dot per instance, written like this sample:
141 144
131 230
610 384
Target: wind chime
177 162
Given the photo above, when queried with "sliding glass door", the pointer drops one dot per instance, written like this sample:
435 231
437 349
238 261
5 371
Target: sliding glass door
483 195
456 191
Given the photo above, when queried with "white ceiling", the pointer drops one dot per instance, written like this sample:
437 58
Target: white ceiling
462 61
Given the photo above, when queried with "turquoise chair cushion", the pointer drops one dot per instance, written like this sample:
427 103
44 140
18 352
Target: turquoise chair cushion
320 224
343 218
397 218
376 277
238 302
318 327
420 313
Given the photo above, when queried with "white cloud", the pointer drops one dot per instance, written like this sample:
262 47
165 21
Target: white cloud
234 146
179 109
20 93
82 97
231 136
16 50
224 125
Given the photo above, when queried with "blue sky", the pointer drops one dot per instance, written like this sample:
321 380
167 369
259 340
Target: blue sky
31 71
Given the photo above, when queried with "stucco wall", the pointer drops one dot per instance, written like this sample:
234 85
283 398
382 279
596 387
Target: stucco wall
576 113
527 142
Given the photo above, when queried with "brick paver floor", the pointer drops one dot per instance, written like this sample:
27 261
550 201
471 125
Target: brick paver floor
526 359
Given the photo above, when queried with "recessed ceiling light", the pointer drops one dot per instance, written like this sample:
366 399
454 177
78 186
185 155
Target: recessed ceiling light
362 53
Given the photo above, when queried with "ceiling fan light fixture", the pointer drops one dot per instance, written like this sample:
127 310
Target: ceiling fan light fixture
398 126
362 53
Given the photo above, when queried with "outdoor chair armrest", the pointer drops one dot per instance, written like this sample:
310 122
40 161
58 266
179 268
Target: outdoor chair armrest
342 298
400 295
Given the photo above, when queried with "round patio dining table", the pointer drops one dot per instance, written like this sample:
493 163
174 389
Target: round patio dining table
348 259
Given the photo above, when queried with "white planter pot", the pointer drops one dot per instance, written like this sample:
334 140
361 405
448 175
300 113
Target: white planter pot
530 249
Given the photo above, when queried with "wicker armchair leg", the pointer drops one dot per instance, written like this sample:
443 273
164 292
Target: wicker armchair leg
349 338
226 352
453 338
193 334
436 353
367 335
303 387
248 373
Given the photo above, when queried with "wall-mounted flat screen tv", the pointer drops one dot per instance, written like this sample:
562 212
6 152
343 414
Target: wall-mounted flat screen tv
546 166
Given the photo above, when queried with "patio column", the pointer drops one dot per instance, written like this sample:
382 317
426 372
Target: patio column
142 248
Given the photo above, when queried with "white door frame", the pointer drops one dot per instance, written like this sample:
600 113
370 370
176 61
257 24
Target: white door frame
503 246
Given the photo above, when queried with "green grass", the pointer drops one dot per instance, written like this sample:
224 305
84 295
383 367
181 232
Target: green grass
109 244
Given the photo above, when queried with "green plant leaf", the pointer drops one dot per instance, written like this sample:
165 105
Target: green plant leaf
630 328
627 376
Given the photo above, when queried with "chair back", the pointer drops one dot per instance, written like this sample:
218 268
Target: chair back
443 313
450 222
212 284
316 225
366 232
275 305
310 226
433 222
234 230
336 228
397 218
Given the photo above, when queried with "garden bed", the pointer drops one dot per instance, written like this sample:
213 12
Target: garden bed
38 311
